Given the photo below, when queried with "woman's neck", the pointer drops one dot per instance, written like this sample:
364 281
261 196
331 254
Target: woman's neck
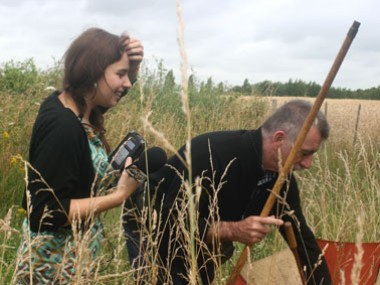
68 102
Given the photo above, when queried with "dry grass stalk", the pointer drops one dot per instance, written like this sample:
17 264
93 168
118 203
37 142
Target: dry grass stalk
358 258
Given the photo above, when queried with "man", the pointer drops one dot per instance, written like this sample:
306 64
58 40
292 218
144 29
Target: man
232 173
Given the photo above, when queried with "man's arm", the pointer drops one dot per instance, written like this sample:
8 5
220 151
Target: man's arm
248 231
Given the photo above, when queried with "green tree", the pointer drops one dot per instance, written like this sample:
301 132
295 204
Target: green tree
19 77
246 88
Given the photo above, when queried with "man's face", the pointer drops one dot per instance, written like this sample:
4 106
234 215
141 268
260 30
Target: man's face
304 158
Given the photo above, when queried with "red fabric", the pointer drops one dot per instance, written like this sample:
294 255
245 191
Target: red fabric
240 281
340 256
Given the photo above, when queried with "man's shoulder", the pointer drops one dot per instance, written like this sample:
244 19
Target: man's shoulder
221 136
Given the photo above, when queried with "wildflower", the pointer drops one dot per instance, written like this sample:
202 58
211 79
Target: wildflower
50 88
21 211
13 160
6 135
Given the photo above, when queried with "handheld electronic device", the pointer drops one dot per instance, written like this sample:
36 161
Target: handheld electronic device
131 146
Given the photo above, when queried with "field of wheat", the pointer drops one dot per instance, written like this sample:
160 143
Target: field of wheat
349 119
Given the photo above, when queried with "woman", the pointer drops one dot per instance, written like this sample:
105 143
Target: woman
69 166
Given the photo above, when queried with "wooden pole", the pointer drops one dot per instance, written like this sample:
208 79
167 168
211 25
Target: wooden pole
357 125
299 141
292 242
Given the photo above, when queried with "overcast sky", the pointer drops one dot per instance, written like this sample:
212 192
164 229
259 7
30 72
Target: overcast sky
228 40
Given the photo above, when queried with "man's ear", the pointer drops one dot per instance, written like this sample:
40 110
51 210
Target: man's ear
278 139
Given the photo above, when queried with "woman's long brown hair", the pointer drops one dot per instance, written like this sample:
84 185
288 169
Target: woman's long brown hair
84 64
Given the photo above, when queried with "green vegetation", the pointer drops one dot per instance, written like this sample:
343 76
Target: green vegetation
295 88
340 188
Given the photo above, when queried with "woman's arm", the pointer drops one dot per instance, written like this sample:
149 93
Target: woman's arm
85 207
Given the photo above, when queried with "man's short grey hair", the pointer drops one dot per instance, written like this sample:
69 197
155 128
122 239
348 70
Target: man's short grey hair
290 118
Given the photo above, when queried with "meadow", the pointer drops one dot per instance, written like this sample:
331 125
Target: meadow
340 193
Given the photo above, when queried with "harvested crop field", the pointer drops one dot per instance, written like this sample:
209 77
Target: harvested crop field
347 117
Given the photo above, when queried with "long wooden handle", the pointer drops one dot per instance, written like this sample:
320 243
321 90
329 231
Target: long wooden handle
290 236
299 141
292 242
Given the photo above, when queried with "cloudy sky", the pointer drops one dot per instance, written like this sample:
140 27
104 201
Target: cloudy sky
228 40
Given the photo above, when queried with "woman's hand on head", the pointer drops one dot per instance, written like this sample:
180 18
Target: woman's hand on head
135 52
134 49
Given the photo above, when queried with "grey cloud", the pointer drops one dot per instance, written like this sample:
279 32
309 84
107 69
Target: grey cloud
227 40
120 8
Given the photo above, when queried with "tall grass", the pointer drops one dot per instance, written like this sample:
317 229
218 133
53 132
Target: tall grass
349 189
340 188
334 198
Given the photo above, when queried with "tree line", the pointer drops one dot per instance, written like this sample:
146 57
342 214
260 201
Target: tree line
305 89
23 78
